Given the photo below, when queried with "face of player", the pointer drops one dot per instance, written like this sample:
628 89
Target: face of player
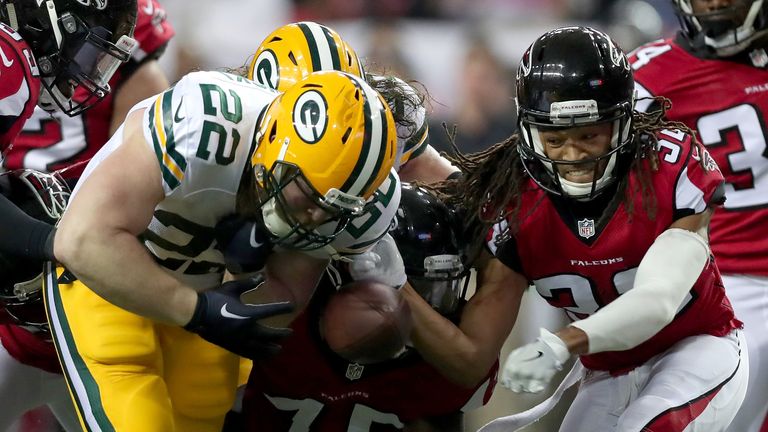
733 12
300 206
578 144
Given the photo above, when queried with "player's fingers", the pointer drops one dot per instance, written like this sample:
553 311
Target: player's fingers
267 333
237 287
266 310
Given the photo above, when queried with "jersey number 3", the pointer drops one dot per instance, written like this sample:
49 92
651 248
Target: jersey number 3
747 164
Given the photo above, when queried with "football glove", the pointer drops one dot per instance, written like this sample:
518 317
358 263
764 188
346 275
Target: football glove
530 368
382 263
244 243
223 319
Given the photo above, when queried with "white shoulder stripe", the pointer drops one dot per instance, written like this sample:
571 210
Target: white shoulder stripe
13 105
688 195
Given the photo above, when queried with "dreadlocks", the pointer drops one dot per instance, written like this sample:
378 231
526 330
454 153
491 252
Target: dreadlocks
494 180
402 100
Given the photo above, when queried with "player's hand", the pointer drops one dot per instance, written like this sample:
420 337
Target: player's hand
382 263
531 367
245 245
222 319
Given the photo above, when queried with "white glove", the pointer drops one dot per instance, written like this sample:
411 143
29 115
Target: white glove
382 263
530 368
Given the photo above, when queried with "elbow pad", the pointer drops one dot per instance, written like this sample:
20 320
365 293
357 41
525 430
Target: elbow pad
666 274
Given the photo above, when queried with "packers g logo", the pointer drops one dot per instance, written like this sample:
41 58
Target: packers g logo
265 69
310 116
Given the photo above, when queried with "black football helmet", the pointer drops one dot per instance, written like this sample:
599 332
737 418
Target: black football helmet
77 44
44 197
572 77
429 237
727 28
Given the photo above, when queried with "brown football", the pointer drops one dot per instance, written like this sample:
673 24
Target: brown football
366 322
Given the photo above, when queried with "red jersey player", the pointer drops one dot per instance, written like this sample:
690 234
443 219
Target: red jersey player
50 49
605 211
714 72
51 142
58 140
336 395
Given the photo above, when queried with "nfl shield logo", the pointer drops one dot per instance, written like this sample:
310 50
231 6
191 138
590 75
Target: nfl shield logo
354 371
586 228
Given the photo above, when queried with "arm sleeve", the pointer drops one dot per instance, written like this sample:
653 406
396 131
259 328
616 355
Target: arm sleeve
666 274
23 235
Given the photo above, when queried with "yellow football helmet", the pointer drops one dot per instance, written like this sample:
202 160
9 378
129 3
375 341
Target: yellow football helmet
331 139
296 50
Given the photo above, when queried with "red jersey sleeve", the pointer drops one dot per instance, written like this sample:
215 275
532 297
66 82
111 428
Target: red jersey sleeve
699 184
153 30
19 85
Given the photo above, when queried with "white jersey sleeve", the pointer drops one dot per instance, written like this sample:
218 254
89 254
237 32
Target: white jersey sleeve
413 140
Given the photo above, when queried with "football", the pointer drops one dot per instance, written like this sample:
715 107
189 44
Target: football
366 322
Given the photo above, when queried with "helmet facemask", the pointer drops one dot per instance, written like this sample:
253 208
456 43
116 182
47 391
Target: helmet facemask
442 282
279 191
566 115
87 60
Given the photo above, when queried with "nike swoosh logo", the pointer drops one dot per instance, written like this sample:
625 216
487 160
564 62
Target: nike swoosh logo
538 355
6 62
227 314
254 243
176 118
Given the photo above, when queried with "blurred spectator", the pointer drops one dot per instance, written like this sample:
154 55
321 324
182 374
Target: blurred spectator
385 55
484 110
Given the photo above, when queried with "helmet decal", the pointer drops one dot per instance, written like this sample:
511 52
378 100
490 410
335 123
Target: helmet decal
323 49
266 70
617 55
310 116
525 64
98 4
297 50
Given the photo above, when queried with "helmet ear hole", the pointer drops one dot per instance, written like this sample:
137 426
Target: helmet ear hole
357 95
272 132
292 58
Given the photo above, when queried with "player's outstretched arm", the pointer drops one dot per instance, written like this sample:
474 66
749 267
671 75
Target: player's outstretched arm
23 235
666 274
465 354
428 167
97 236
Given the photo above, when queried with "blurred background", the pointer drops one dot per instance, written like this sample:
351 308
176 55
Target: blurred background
463 52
